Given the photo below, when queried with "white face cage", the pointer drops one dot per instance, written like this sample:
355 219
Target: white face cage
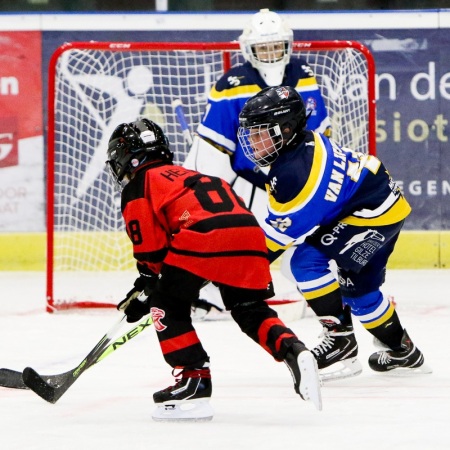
261 143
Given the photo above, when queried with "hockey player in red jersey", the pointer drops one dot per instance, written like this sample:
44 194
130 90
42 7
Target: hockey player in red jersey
186 229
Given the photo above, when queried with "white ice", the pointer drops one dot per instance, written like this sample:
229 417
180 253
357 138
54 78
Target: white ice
110 405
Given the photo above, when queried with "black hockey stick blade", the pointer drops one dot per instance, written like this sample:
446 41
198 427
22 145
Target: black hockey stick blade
12 379
43 388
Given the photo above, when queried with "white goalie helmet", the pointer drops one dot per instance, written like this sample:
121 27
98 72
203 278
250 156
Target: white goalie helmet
266 43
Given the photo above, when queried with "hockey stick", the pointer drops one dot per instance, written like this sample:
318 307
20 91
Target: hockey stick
178 108
52 387
177 105
13 378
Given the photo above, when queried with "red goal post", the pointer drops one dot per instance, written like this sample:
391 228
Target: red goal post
94 86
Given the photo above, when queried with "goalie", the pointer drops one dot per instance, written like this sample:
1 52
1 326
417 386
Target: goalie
266 44
185 227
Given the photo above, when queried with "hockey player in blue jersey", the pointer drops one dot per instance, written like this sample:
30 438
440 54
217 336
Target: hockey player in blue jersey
266 44
331 203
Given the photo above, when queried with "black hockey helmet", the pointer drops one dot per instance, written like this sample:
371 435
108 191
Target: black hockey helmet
133 144
280 110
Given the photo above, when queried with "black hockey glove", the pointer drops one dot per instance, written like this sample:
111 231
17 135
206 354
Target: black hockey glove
137 302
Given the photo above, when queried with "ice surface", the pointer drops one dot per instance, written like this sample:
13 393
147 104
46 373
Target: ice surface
256 408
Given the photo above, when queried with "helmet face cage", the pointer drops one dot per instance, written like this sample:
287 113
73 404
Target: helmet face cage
261 143
114 171
269 121
270 52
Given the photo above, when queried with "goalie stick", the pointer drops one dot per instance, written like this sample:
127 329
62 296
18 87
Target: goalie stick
178 108
52 387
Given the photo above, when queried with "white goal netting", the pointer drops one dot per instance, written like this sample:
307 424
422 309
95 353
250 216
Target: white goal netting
95 86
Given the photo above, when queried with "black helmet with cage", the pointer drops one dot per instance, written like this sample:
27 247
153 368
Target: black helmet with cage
269 121
133 144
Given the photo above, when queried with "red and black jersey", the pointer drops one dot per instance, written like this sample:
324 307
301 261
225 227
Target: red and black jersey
195 222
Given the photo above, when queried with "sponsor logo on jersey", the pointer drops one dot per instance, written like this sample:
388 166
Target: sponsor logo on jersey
329 238
364 236
234 81
185 217
157 315
272 185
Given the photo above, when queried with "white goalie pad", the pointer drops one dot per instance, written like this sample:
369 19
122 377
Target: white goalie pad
254 198
205 158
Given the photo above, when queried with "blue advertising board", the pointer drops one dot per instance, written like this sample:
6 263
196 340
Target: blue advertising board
413 95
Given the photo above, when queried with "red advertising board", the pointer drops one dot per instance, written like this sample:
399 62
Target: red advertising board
21 132
20 91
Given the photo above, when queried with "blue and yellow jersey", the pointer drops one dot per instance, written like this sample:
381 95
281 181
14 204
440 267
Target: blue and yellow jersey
319 182
227 98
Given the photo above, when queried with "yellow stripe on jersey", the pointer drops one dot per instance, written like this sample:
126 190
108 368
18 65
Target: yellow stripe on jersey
304 84
307 84
275 246
398 211
238 91
311 186
312 295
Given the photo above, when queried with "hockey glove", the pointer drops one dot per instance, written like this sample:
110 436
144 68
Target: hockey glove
136 304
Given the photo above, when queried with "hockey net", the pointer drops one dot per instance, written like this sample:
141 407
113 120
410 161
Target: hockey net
95 86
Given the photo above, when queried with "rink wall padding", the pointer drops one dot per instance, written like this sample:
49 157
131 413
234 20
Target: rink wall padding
414 250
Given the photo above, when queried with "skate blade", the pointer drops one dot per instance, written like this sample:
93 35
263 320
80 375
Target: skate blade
185 411
309 381
340 370
408 371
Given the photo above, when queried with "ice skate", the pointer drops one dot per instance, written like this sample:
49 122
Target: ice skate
407 361
187 400
209 306
303 367
337 353
203 310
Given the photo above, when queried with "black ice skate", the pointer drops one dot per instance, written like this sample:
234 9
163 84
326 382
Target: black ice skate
337 353
303 367
408 360
188 399
202 310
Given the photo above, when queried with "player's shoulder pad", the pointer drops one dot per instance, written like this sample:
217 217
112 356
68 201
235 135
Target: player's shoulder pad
299 68
242 75
134 190
290 174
